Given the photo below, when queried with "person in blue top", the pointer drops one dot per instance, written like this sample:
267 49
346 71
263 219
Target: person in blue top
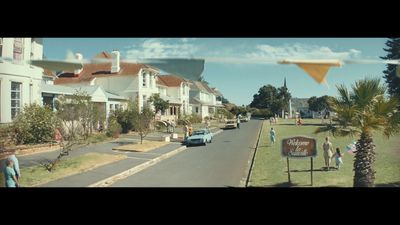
9 174
16 166
272 136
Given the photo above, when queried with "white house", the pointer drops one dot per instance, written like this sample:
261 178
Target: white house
176 90
202 99
120 79
19 81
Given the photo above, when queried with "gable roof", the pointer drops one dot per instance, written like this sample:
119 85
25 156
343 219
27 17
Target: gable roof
93 70
171 80
160 82
197 85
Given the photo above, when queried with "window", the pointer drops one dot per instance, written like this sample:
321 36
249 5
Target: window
18 52
111 107
197 109
144 79
15 99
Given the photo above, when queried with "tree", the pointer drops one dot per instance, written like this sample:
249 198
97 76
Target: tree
271 98
265 97
34 125
236 110
222 99
77 114
159 103
143 121
393 52
319 104
360 112
313 104
125 117
284 96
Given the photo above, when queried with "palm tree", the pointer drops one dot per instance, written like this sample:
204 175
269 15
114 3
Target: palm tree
360 112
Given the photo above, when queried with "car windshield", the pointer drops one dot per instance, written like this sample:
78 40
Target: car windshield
199 132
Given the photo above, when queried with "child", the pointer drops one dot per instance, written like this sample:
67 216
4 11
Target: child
338 158
272 136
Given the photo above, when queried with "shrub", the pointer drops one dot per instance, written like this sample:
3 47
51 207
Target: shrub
114 128
266 113
35 124
195 119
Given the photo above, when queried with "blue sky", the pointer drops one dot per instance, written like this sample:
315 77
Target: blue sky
238 67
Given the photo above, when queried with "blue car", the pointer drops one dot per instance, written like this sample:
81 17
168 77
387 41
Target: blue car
199 137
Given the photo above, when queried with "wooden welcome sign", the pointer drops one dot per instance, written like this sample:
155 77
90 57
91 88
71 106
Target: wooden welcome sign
299 147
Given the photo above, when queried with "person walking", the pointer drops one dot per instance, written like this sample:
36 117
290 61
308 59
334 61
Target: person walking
338 158
272 136
207 124
17 171
327 147
186 131
9 174
238 122
190 130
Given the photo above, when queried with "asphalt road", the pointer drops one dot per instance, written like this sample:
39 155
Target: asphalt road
223 163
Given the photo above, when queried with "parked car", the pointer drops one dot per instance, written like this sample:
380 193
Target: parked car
200 137
230 124
244 119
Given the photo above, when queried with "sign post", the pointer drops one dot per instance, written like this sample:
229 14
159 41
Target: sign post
311 171
288 170
299 147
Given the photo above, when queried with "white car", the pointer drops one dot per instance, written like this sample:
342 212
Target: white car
231 124
200 137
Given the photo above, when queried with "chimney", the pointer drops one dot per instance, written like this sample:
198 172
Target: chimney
115 62
78 57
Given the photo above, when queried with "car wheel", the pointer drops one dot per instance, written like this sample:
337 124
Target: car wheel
210 140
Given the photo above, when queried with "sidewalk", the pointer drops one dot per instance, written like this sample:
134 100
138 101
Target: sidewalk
90 177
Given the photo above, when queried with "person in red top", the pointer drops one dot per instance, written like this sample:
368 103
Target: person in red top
57 136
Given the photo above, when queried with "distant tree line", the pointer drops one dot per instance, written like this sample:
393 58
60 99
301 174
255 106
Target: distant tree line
271 100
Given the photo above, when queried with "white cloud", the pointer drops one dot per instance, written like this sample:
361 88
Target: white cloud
154 48
268 54
258 54
301 51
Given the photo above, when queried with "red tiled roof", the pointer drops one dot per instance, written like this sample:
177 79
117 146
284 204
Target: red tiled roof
171 80
103 55
160 81
91 71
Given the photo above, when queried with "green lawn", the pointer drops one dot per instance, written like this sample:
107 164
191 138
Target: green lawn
37 175
270 168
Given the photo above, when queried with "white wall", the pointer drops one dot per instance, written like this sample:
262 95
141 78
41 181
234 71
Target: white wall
31 79
37 50
162 91
8 44
122 104
150 88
